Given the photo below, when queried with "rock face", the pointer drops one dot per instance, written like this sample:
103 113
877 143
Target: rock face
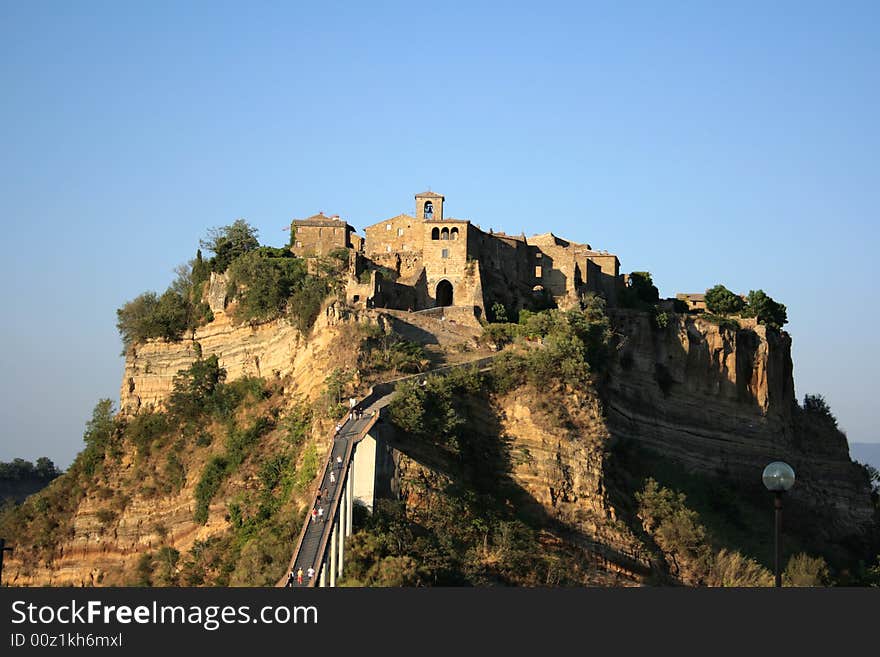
270 350
721 402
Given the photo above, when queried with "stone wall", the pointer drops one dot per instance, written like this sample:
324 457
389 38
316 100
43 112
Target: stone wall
315 237
401 234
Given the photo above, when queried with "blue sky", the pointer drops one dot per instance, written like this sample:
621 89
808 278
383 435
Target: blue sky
705 144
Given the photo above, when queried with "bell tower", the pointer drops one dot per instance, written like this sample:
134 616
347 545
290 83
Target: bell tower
429 206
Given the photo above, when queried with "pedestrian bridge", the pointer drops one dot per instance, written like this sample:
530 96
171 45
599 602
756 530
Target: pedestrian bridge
349 474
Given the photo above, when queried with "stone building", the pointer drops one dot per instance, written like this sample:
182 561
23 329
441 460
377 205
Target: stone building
428 260
319 235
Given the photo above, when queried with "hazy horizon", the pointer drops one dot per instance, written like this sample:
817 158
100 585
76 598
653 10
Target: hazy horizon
711 144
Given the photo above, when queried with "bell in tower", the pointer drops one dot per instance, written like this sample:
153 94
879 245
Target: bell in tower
429 206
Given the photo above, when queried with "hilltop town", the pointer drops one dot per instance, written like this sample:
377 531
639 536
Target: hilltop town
427 260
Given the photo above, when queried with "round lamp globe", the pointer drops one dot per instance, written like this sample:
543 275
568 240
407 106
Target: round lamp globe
778 477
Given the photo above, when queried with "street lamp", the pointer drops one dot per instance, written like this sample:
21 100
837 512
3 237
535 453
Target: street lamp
778 477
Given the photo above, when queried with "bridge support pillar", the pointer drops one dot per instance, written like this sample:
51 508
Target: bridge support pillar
333 556
322 577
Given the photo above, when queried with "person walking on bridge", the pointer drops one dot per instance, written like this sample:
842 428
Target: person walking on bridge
332 477
321 514
290 577
311 573
339 463
299 576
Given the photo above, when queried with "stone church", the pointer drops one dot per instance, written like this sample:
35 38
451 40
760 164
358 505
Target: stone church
427 260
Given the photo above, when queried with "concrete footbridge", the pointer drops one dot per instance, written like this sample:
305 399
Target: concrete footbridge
355 467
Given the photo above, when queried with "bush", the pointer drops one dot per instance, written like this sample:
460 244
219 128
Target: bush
387 351
722 301
804 570
499 335
498 313
262 281
178 310
144 428
212 478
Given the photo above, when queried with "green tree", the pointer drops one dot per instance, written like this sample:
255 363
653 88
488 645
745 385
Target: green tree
229 242
194 388
817 405
640 291
100 427
721 301
765 309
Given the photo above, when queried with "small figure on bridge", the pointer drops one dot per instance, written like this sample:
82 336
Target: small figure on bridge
352 402
332 477
314 515
338 428
311 572
339 463
319 495
290 577
299 576
321 514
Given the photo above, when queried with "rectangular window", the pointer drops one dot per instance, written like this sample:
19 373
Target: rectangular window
444 253
538 271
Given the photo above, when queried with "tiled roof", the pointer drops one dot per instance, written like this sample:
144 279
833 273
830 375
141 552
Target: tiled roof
429 194
319 220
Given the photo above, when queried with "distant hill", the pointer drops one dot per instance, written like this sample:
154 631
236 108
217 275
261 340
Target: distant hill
868 453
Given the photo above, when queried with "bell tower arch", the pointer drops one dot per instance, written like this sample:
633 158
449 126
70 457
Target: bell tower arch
429 206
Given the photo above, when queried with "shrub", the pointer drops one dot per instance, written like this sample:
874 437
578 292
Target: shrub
723 322
722 301
387 351
212 478
262 281
174 473
144 428
500 335
804 570
498 313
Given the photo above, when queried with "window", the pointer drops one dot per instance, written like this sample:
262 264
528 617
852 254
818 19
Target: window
387 226
387 248
444 234
435 234
299 245
444 253
429 209
538 271
400 232
453 234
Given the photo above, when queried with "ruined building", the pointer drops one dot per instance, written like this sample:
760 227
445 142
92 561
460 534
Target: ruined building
429 260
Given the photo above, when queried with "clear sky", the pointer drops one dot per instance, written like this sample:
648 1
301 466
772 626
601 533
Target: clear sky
705 144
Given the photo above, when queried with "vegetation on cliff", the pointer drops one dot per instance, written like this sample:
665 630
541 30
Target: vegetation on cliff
263 282
241 442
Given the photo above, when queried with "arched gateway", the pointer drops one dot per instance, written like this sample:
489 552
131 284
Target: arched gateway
444 293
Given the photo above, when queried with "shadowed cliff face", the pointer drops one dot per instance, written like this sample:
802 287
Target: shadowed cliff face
721 402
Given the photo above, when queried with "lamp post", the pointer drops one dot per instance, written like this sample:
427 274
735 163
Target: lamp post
778 477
